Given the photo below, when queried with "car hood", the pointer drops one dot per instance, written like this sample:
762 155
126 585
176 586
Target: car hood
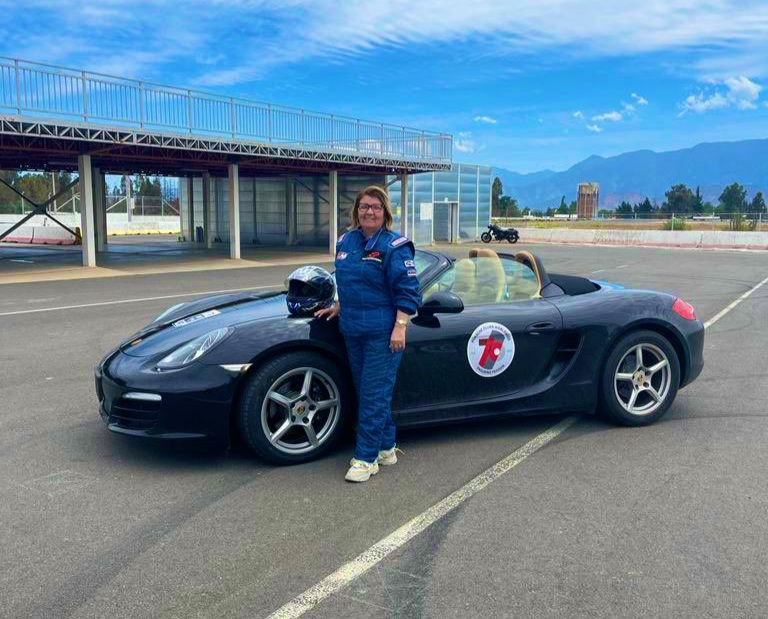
202 316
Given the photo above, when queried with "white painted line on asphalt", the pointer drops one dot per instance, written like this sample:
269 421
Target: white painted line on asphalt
622 266
375 554
717 317
142 300
600 271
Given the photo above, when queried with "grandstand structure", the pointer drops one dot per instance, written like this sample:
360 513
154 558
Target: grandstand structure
242 160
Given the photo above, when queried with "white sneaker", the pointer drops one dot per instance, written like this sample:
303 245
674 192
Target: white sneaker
360 470
388 457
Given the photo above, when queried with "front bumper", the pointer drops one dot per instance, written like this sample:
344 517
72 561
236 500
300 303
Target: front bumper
192 403
695 342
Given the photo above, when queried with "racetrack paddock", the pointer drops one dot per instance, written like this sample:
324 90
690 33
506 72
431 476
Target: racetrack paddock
600 522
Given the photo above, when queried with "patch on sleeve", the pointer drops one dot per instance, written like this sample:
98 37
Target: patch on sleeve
341 238
399 241
412 273
409 263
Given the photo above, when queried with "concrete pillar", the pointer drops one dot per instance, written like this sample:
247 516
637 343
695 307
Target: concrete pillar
404 206
87 222
128 197
333 205
191 209
100 209
290 207
207 210
234 211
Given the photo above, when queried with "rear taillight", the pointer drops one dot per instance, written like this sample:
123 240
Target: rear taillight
684 310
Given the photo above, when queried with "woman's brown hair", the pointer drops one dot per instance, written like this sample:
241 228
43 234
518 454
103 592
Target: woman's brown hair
374 191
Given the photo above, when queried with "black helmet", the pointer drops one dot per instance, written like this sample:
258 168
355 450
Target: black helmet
309 289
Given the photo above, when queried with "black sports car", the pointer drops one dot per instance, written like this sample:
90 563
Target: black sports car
496 335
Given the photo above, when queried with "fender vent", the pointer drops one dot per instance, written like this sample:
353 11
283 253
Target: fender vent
566 350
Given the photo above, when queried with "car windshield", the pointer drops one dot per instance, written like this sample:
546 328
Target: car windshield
424 261
487 279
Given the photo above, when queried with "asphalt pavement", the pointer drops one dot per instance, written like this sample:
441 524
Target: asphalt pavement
665 521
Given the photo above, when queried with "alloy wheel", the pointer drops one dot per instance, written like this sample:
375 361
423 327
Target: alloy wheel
642 379
300 410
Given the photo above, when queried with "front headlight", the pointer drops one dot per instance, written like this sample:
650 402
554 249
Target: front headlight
192 351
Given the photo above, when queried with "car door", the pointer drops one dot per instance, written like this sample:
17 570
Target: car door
496 347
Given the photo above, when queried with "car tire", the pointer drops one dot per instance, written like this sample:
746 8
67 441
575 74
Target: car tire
637 388
277 416
485 237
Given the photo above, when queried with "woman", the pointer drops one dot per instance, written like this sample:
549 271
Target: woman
378 290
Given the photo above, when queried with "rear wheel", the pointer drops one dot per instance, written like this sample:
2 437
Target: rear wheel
640 379
294 408
485 237
513 237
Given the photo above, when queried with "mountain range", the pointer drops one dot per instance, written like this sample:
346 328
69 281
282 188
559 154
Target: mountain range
633 176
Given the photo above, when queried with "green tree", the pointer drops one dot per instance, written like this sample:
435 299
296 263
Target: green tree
526 211
625 208
758 204
697 206
573 207
497 190
644 207
563 208
508 207
733 199
550 212
679 199
604 213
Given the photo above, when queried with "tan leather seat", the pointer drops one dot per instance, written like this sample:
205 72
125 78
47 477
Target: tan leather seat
528 259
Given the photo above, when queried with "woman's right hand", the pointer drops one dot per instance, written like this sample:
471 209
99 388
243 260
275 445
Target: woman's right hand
328 312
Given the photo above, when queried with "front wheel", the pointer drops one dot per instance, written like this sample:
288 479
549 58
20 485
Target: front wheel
294 408
640 379
485 237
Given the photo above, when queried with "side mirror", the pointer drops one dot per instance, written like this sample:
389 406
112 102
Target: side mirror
442 303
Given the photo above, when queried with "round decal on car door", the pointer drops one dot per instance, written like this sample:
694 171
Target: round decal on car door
490 349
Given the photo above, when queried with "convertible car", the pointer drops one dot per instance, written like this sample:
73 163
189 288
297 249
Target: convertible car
496 335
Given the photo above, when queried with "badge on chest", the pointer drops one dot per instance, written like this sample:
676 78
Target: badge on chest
373 255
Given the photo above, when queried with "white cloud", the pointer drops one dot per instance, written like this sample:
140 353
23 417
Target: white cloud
612 116
699 103
742 93
594 128
485 119
578 114
713 35
628 107
639 100
464 143
721 28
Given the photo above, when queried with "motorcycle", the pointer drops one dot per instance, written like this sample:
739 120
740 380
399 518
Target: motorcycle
500 234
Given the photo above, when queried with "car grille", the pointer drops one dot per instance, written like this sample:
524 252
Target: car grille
135 414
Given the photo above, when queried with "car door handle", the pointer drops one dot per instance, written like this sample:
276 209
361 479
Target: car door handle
539 327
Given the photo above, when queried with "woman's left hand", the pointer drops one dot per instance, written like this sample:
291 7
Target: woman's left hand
397 340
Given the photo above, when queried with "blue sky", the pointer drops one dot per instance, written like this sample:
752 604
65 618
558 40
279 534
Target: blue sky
526 85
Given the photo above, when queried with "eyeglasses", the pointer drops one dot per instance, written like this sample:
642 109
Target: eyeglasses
376 208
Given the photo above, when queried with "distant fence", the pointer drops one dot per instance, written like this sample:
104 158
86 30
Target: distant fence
139 206
50 91
648 221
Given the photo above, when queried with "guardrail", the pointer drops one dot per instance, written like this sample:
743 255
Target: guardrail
58 92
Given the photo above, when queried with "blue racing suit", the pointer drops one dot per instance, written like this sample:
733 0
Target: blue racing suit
374 277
